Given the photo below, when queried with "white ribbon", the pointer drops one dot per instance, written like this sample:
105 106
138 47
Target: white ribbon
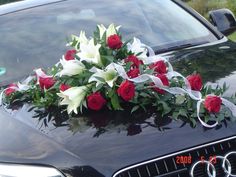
199 118
195 95
230 106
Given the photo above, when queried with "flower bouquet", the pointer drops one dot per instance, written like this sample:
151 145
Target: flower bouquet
105 72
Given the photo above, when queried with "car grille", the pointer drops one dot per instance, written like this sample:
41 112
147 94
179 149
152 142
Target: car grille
179 164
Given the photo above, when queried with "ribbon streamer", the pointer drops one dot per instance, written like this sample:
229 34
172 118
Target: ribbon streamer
195 95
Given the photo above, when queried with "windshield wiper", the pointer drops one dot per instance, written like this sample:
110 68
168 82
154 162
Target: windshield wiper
177 47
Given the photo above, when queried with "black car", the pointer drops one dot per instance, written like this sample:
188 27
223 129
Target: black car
114 144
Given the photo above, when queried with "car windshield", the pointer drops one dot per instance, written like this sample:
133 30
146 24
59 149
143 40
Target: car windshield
36 37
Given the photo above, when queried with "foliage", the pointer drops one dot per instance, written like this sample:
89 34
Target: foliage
204 6
232 36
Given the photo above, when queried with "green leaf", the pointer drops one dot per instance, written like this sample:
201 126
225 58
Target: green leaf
135 108
115 102
166 108
114 99
144 108
149 71
180 99
139 54
225 88
106 59
194 123
183 112
104 36
175 115
143 94
126 42
95 89
220 117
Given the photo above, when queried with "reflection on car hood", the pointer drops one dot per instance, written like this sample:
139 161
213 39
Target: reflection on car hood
108 141
216 64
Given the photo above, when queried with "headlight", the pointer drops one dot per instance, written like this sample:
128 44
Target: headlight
10 170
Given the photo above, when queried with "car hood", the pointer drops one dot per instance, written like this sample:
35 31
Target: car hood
104 142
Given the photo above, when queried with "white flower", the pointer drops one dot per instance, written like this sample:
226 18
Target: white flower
137 47
109 76
102 30
71 67
73 97
82 38
25 85
90 52
79 40
109 31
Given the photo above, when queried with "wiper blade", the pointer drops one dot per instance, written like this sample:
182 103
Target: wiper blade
177 47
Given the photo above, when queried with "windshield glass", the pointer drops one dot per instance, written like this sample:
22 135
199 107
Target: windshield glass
36 37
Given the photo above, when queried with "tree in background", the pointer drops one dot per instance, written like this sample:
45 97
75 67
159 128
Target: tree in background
204 6
231 4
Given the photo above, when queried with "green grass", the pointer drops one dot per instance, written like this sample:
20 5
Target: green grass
233 36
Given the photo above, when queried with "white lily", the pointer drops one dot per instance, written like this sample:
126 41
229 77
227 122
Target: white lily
90 52
109 76
137 47
24 85
71 67
102 30
73 97
81 39
109 31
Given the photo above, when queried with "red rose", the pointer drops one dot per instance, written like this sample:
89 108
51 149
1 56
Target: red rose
165 82
46 82
126 90
114 42
195 82
133 73
134 60
70 55
159 67
95 101
64 87
213 104
10 89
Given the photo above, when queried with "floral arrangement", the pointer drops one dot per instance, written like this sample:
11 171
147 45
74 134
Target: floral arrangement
106 72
